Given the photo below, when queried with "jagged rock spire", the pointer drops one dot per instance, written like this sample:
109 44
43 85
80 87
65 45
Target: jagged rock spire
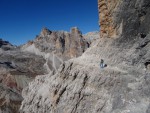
45 32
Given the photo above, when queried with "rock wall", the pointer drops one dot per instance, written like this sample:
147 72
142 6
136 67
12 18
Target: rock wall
106 10
124 18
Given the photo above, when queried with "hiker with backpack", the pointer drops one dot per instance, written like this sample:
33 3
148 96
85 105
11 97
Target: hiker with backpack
102 65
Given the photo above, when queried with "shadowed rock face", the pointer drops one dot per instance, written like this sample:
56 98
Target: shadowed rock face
5 45
81 86
12 81
17 69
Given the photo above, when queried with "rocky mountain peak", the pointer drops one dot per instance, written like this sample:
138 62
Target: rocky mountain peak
75 30
45 32
65 44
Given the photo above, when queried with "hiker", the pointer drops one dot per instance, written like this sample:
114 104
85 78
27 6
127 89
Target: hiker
102 63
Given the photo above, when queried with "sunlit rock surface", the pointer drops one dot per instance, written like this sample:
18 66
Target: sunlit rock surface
20 65
57 46
81 86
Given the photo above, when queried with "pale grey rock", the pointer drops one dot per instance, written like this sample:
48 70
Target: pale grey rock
17 69
81 86
20 65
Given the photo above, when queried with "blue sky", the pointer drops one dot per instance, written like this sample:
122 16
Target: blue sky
22 20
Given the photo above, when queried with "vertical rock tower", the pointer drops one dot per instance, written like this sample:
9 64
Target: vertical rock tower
124 18
106 18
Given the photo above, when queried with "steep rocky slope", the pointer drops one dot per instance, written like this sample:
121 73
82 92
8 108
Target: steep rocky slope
17 69
80 86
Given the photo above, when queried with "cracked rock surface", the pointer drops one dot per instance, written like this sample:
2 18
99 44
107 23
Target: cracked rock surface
81 86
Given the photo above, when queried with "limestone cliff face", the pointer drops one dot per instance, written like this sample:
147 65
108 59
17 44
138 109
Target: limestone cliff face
124 18
106 10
